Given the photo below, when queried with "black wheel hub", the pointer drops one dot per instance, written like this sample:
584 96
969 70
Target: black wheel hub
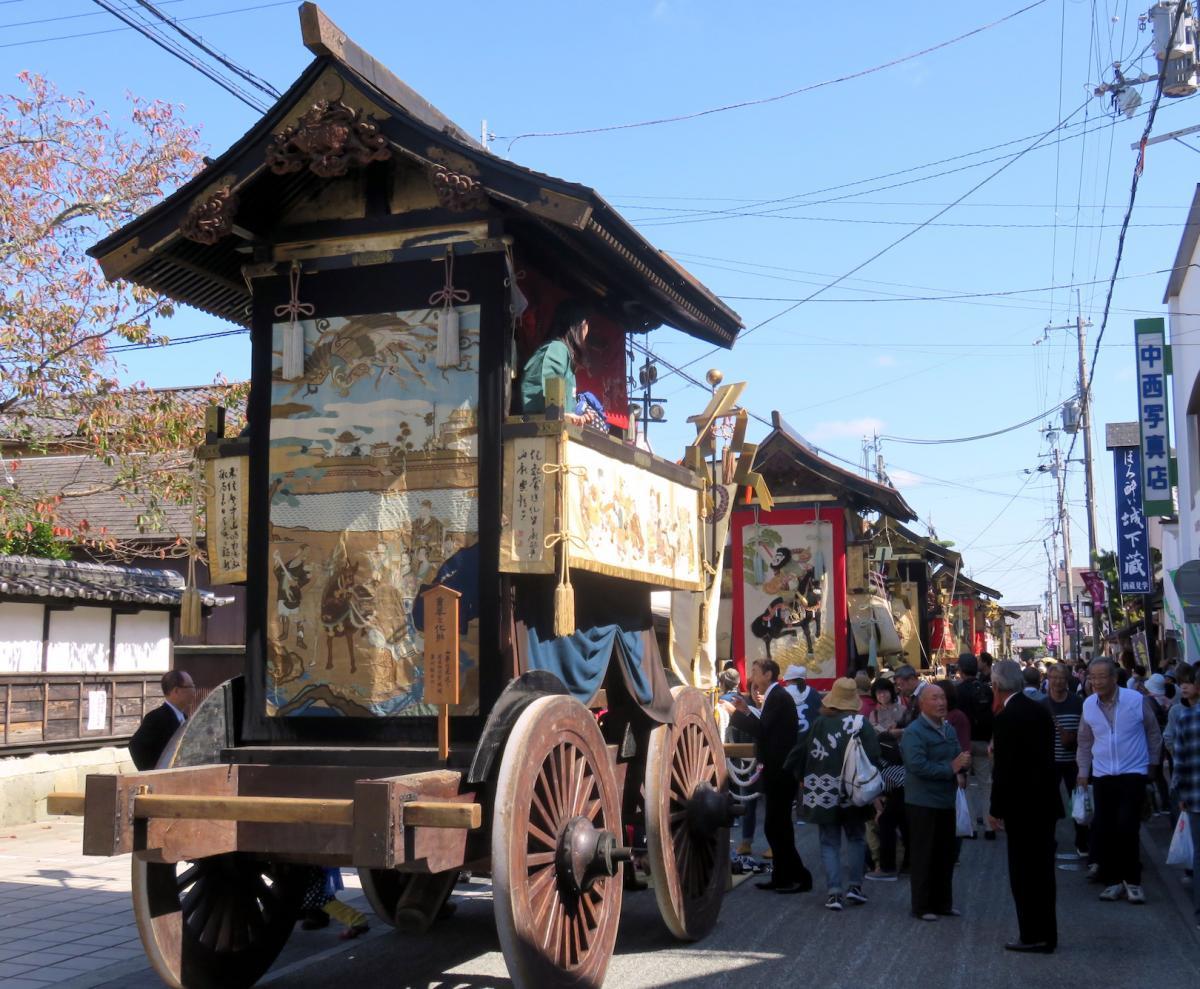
585 854
709 810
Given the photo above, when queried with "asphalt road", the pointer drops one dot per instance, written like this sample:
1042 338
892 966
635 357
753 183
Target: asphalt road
765 940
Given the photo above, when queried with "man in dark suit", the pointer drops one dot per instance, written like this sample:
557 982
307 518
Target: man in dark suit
1025 803
159 725
774 732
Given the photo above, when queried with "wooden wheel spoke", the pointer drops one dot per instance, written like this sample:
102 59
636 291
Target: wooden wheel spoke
538 885
554 925
187 877
538 834
593 809
679 785
556 783
544 786
544 812
537 860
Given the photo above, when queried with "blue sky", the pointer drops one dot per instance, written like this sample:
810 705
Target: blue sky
866 355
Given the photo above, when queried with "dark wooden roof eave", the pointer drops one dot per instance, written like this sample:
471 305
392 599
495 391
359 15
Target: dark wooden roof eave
860 491
669 291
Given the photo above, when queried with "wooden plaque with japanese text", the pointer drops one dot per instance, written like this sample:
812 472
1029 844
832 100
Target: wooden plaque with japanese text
441 645
227 504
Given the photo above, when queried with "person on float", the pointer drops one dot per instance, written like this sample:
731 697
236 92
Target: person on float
558 357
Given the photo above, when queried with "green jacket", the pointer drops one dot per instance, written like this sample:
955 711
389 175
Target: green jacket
929 779
816 760
550 360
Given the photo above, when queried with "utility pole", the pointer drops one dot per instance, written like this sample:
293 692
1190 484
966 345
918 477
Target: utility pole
1084 424
1064 518
1057 469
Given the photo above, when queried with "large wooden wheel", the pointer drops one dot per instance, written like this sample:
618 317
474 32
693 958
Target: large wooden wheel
217 923
412 902
687 816
383 889
556 852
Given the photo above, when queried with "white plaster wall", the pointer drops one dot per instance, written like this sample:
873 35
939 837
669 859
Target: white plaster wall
78 641
1184 335
20 637
143 642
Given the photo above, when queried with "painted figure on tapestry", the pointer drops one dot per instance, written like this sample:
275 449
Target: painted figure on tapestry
785 573
797 601
374 488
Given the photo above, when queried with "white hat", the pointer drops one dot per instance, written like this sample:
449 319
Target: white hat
1157 684
794 672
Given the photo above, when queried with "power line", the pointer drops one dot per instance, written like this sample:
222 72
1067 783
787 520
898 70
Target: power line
772 99
125 15
260 84
904 223
67 17
1138 168
175 341
970 439
903 237
115 30
700 216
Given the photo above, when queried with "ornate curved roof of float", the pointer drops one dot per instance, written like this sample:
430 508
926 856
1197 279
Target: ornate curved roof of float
572 220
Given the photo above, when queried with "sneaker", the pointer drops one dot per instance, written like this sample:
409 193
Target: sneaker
1135 894
744 848
834 902
1093 872
855 895
768 854
879 876
1114 892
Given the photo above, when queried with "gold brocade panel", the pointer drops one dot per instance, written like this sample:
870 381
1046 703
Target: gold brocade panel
373 499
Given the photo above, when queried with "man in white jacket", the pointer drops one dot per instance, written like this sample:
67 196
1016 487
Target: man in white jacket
1119 742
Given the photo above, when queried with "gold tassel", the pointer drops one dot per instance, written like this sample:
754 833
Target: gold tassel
564 605
189 604
564 593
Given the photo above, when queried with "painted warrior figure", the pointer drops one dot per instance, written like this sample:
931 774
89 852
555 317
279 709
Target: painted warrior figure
345 608
797 604
290 581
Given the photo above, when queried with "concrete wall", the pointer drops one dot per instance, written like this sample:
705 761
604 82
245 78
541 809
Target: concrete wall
25 781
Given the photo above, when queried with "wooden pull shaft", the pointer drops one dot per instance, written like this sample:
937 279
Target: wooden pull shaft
277 810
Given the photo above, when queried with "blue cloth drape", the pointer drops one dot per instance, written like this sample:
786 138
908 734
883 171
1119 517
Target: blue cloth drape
580 660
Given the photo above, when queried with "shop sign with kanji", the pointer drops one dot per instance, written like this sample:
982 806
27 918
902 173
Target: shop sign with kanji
1133 544
1153 417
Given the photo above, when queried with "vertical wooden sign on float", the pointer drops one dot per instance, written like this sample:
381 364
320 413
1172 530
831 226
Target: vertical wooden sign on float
441 657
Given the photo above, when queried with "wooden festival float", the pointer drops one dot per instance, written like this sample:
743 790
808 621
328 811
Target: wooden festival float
442 595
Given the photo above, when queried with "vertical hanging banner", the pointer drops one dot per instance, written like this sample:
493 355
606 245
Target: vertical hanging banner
1153 418
1068 619
1133 546
1096 587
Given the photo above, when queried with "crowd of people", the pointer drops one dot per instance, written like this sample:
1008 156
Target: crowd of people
994 748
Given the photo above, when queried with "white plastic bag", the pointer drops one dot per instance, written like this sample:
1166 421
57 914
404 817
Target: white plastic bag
862 782
1082 807
1181 852
963 827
